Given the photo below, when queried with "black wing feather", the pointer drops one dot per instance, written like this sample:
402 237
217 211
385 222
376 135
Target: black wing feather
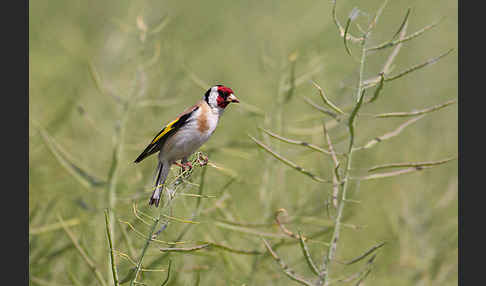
156 145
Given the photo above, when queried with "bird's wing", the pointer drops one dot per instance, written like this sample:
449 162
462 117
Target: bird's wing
169 130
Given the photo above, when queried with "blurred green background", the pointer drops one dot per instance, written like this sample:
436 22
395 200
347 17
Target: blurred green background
87 57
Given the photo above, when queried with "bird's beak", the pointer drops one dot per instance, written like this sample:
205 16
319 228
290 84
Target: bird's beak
232 98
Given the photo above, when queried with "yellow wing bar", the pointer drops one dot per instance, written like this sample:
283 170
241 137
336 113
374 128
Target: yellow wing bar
167 128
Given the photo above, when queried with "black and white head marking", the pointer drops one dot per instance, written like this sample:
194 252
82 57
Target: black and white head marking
211 96
219 96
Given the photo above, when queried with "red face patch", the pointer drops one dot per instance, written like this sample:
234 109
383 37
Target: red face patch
223 92
221 101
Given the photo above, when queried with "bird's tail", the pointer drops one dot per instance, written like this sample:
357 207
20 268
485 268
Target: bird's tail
160 174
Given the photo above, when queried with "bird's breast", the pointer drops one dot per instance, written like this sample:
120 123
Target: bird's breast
190 137
207 120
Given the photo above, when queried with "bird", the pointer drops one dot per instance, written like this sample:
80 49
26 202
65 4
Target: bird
180 138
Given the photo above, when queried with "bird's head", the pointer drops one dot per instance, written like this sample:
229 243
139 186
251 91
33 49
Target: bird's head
219 96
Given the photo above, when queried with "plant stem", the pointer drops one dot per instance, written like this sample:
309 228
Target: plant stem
110 242
325 277
145 247
117 153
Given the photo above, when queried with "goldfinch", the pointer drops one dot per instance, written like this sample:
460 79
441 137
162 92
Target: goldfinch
183 136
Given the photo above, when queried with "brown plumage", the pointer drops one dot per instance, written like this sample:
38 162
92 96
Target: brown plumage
202 120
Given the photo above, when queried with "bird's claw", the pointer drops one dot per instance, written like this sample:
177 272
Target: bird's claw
203 160
185 166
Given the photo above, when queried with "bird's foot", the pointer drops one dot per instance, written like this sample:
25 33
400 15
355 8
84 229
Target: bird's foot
184 166
202 159
187 166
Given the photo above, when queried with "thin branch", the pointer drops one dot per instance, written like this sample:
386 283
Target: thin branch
286 269
331 147
110 243
168 274
417 112
83 254
378 88
73 279
369 265
253 232
145 247
419 66
128 240
291 90
157 29
389 135
394 42
404 22
244 224
340 27
346 29
288 162
304 78
307 255
200 192
411 164
335 178
321 109
155 57
249 231
198 196
84 177
387 66
152 239
391 174
179 219
366 270
206 244
282 226
377 16
125 256
326 100
185 249
296 142
238 251
135 213
224 170
42 282
364 255
53 226
95 76
351 120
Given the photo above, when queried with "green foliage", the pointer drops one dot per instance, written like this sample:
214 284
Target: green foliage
105 76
